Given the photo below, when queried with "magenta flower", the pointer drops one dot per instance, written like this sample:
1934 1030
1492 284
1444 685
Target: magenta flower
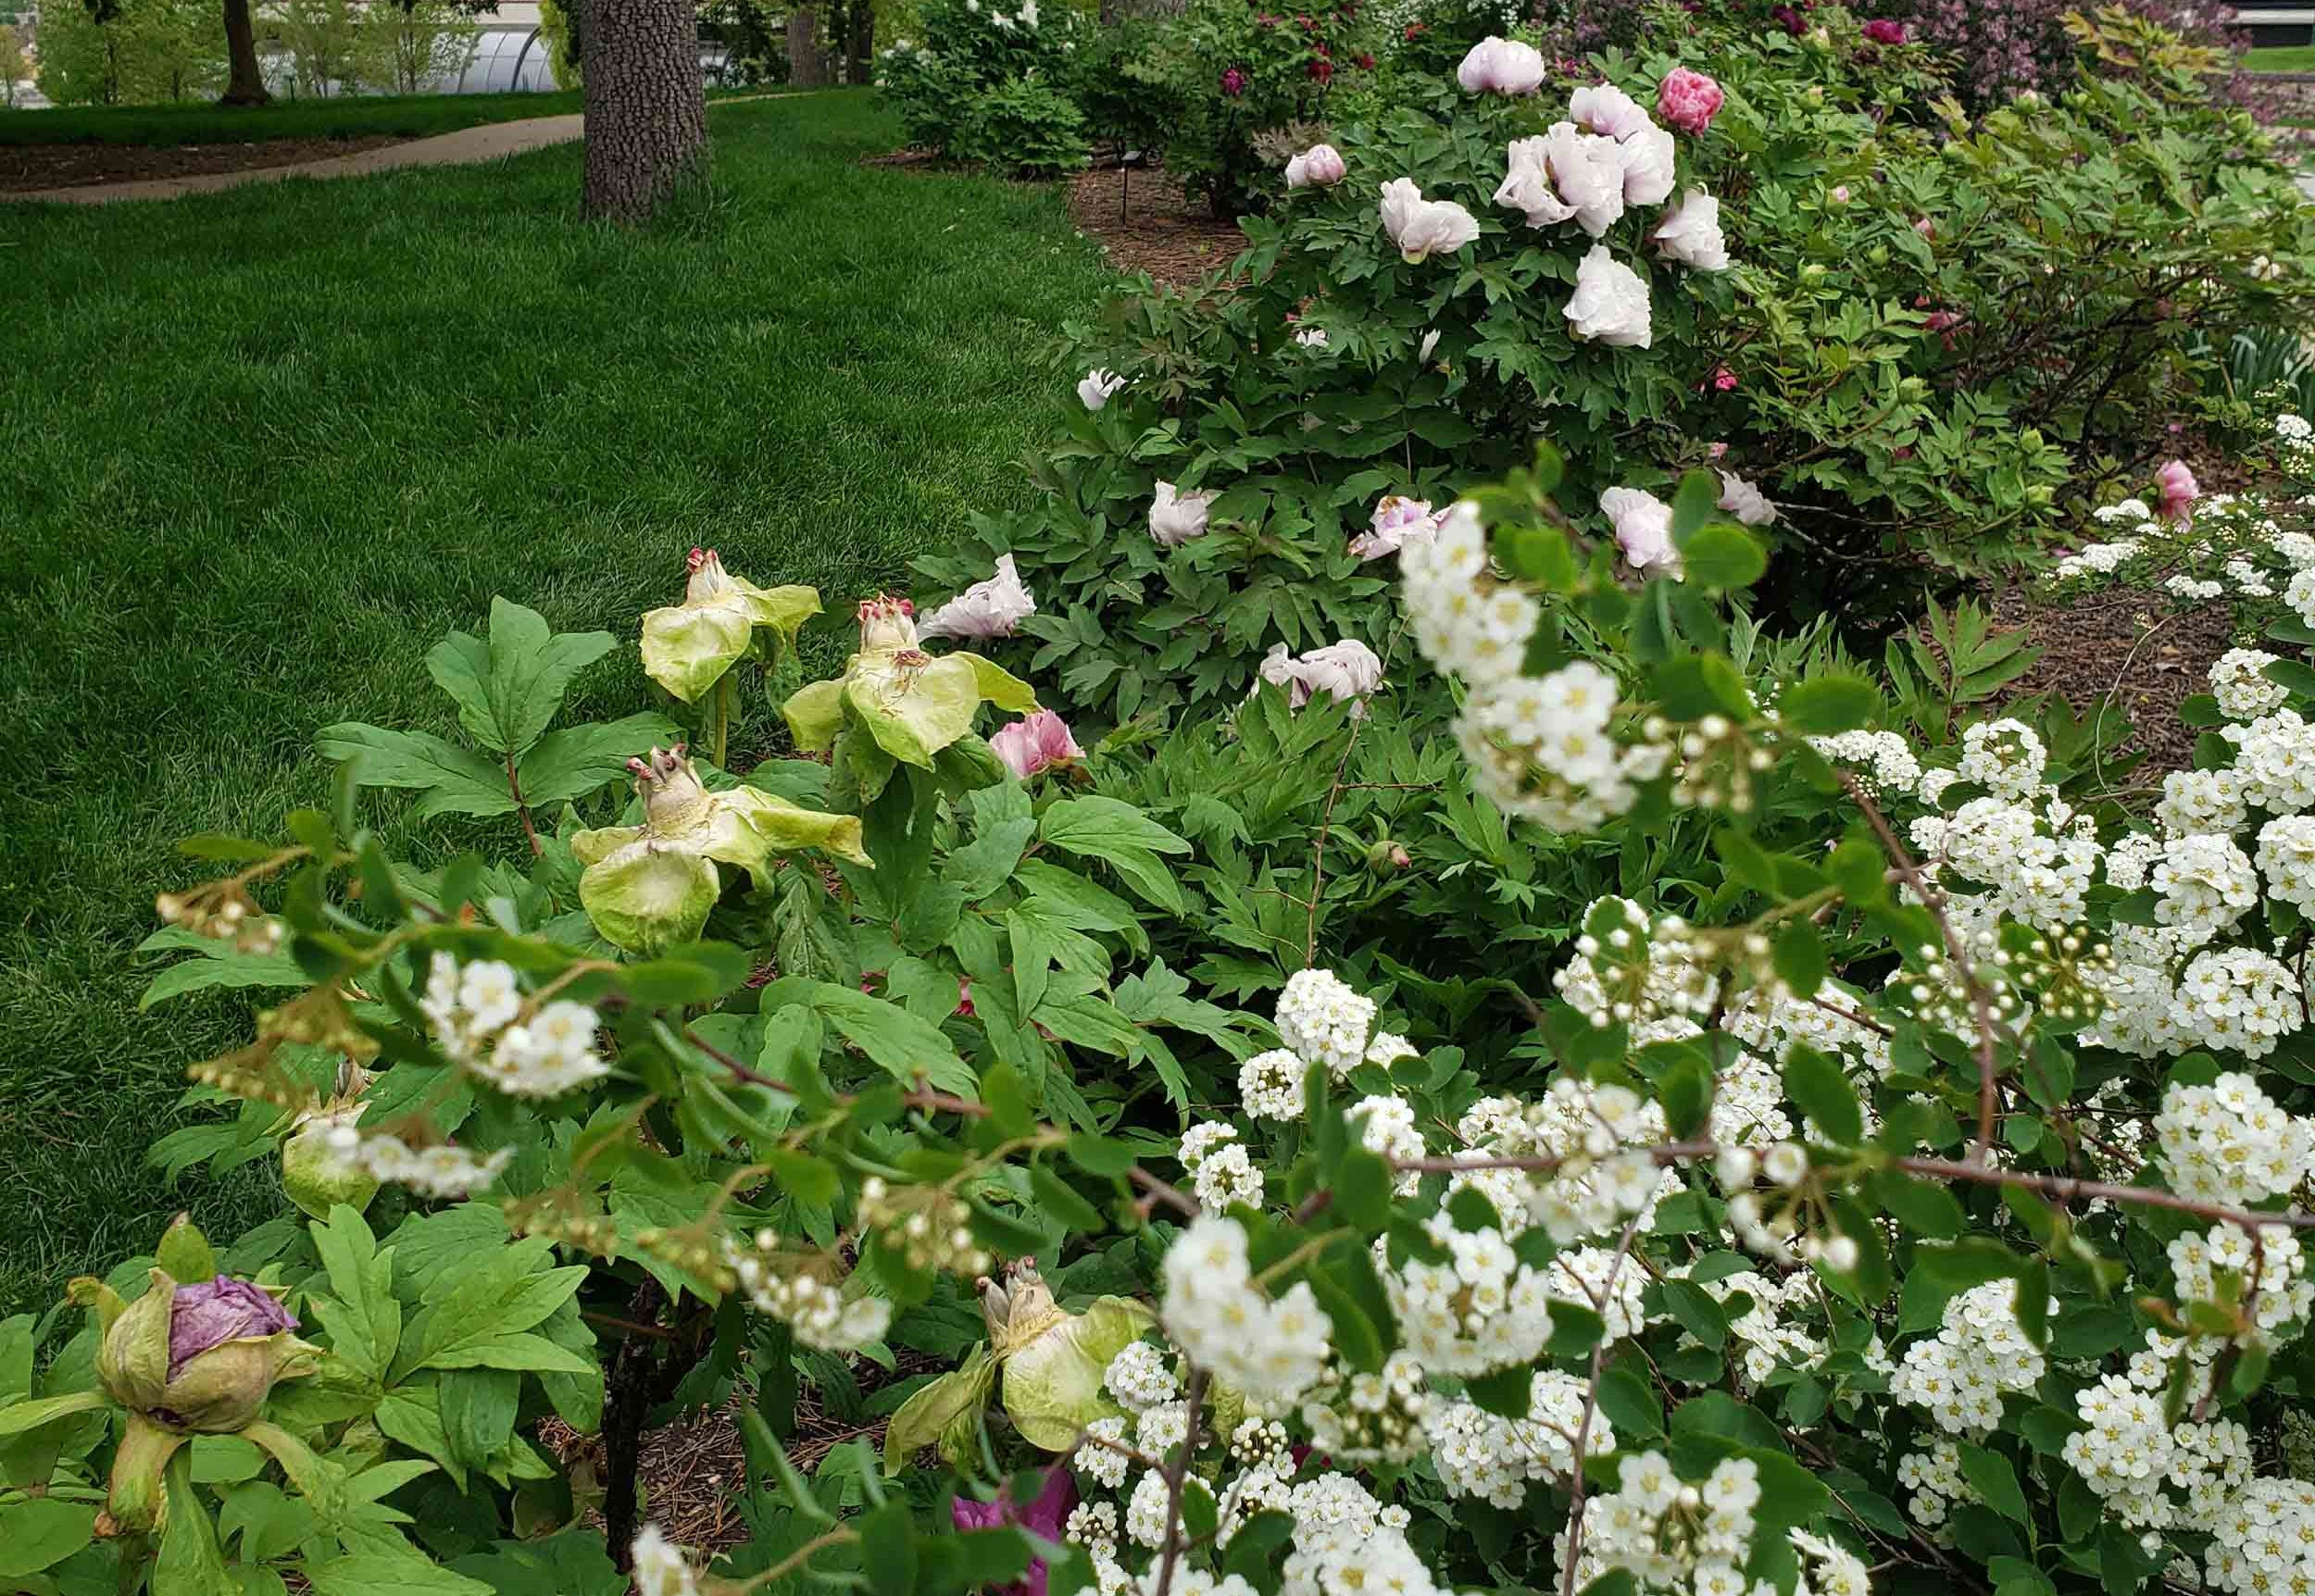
1034 743
1790 18
1043 1517
1881 31
214 1312
1688 100
1233 82
2179 491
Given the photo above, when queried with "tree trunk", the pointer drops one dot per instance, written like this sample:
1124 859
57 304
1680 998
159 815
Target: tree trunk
804 59
857 68
647 107
244 83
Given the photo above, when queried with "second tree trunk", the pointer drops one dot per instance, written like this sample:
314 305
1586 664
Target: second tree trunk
646 105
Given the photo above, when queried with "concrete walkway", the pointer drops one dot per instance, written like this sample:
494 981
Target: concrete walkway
490 142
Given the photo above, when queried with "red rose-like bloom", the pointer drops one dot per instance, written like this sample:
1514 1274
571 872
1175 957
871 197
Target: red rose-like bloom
1881 31
1322 70
1414 32
1688 100
1233 82
1791 19
1365 63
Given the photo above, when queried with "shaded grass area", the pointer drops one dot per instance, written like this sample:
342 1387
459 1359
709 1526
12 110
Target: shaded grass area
259 449
408 115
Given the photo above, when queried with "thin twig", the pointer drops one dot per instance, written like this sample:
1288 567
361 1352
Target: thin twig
1584 1425
529 833
1195 1399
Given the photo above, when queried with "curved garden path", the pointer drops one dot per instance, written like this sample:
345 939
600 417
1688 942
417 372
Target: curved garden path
490 142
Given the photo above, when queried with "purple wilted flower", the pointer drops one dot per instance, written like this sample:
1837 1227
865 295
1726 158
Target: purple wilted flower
211 1313
1043 1517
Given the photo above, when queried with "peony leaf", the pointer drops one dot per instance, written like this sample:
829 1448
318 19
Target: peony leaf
579 760
509 688
456 781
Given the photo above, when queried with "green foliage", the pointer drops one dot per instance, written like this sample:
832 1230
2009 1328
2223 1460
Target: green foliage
148 52
972 51
1024 127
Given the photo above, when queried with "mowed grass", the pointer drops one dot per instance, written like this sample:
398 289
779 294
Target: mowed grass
259 450
412 116
2281 58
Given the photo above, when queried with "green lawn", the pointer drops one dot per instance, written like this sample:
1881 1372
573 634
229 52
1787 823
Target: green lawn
2283 59
354 117
259 449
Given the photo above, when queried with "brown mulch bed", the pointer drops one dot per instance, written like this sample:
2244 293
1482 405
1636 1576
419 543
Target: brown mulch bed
1146 223
2130 644
27 167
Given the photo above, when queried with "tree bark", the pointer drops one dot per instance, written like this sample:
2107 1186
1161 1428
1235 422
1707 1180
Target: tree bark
857 64
244 82
646 108
804 65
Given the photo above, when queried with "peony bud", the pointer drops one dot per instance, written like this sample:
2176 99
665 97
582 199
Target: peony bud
315 1179
1321 166
1387 858
1881 31
2179 491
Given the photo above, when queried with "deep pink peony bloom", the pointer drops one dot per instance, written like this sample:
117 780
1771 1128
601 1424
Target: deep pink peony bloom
2179 491
1688 100
214 1312
1043 1517
1881 31
1035 743
1233 82
1790 18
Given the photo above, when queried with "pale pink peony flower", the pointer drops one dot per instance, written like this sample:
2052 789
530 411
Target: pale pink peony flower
1690 232
1398 522
2179 491
1423 228
1644 528
1321 166
1840 194
1035 743
1095 386
1565 174
1688 100
1604 108
1650 165
1610 302
1175 519
1501 67
991 609
1746 502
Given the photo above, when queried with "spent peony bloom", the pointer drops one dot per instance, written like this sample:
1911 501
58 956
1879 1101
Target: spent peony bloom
651 886
1497 65
200 1358
1035 744
1746 502
1321 166
1095 386
1423 228
991 609
1690 232
687 647
1881 31
1688 100
2179 491
1397 521
1610 302
1043 1517
1175 519
1644 528
911 703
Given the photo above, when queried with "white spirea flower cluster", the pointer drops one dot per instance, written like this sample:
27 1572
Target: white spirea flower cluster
1959 1376
1885 761
1323 1021
817 1311
2240 684
1934 1475
1139 1379
929 1229
2272 1263
2262 1543
2230 1142
439 1171
1479 1311
1541 746
1668 1534
1372 1417
2127 1451
1222 1170
472 1005
1483 1455
1272 1350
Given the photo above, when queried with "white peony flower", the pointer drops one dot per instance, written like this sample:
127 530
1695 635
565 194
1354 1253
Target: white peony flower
1175 519
1690 232
1605 108
1095 386
1501 67
1644 528
1321 166
1587 171
1527 185
1610 302
1650 165
1743 501
1421 227
991 609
